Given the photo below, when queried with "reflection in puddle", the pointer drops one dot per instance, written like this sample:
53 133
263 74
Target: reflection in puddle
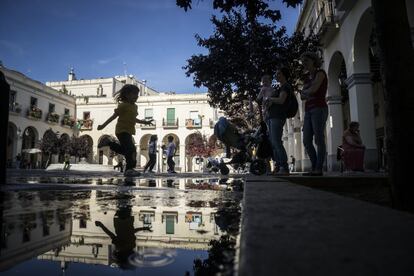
169 231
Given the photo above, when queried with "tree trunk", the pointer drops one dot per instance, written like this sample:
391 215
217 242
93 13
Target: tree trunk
397 69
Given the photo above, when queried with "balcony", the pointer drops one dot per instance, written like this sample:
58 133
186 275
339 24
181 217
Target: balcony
85 124
325 25
34 113
68 121
52 118
15 107
169 123
193 123
153 126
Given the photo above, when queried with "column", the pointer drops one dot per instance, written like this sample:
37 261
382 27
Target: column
334 131
362 110
297 144
182 158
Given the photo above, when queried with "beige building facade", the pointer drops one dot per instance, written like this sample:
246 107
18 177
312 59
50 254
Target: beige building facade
178 115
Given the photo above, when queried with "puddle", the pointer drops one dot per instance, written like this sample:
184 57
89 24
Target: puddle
152 227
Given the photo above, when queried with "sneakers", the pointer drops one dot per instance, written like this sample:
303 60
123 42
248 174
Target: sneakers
132 172
282 172
105 141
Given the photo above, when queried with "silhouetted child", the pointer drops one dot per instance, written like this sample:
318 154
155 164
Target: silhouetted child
152 152
126 112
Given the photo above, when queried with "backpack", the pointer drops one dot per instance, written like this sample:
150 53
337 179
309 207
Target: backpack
292 107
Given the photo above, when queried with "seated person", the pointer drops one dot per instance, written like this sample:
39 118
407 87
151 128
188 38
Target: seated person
353 149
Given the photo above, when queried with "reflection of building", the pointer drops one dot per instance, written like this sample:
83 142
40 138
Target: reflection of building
35 108
25 235
355 91
179 115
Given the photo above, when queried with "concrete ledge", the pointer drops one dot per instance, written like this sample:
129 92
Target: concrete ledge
82 167
289 229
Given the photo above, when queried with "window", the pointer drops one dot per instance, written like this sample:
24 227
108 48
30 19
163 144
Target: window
67 112
170 116
149 113
12 98
195 118
51 108
33 101
86 115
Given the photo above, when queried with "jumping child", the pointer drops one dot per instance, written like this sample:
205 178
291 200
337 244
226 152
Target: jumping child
127 112
152 152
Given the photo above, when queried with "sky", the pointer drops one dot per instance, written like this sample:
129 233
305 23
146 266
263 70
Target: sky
150 39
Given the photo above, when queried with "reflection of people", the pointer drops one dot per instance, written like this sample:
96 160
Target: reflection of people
124 238
353 149
127 112
152 152
316 112
67 161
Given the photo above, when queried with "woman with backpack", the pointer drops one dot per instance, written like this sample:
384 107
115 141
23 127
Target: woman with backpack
277 106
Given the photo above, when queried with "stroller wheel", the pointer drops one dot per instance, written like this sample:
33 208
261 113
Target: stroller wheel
224 170
258 167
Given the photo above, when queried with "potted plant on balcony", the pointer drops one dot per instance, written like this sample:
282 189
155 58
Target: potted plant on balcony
68 121
53 117
35 112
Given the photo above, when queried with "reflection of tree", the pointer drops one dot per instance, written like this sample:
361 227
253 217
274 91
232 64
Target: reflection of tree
222 252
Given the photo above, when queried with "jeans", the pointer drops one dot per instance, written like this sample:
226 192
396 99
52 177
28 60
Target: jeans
170 163
275 129
314 127
126 148
151 162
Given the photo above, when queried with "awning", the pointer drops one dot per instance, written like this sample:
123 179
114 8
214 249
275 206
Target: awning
34 150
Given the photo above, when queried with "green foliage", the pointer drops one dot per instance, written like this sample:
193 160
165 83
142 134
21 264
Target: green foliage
49 143
80 146
199 146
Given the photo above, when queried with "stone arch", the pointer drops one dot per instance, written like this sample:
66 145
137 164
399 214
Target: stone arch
143 145
360 47
105 155
338 91
87 142
30 138
191 160
64 146
11 149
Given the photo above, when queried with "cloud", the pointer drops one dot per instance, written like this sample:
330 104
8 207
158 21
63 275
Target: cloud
12 47
104 61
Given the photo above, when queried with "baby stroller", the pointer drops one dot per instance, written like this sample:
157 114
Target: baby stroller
253 146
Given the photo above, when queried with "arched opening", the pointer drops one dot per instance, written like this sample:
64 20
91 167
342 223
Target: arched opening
143 145
105 155
64 146
30 149
85 148
192 153
11 145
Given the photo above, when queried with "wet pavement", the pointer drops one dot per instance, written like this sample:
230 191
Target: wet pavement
103 223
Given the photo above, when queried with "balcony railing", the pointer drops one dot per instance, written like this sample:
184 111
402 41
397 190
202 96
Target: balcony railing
68 121
15 107
193 123
34 113
85 124
153 126
325 23
52 117
169 123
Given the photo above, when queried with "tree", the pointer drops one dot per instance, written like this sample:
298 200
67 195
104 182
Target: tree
199 146
49 145
241 50
397 69
80 147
